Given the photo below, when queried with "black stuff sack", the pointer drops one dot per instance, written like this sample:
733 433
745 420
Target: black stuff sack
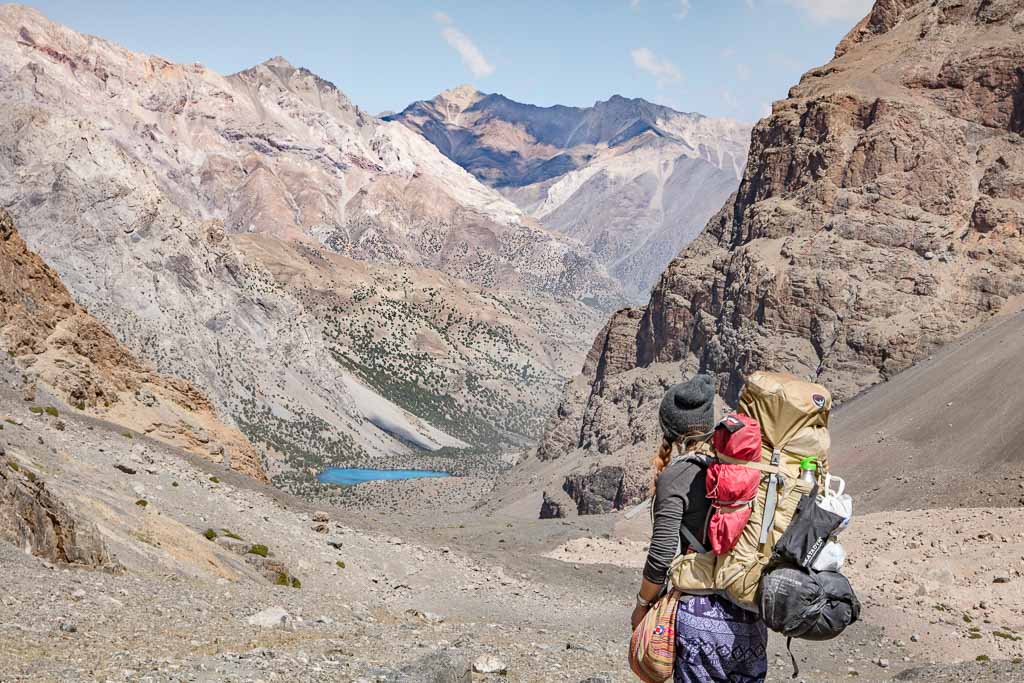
807 535
807 604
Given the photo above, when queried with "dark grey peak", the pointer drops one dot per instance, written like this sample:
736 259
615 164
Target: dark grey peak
552 125
636 129
549 168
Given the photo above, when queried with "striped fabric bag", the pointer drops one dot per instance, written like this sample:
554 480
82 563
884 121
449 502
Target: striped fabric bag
652 649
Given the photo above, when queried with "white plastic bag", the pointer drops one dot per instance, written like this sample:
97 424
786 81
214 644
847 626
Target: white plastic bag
831 558
837 502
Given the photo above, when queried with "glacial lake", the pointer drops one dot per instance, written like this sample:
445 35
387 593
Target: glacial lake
350 476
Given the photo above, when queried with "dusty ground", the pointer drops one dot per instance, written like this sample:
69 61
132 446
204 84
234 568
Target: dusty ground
549 598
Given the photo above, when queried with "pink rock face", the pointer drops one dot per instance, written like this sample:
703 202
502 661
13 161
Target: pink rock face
880 217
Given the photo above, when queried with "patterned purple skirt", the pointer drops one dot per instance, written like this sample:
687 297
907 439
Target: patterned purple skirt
718 642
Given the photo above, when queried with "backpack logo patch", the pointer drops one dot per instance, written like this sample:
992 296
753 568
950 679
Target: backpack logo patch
819 400
732 423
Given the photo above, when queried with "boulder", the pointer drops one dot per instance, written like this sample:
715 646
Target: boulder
272 617
489 664
36 520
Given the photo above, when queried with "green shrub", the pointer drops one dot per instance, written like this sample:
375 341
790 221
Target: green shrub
215 480
30 475
341 565
230 534
174 484
142 502
13 465
127 435
1004 634
981 658
51 411
35 410
259 549
281 580
80 405
210 534
296 583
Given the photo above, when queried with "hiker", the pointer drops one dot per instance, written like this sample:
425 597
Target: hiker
716 640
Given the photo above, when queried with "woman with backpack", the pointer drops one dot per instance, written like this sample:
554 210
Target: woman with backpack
716 641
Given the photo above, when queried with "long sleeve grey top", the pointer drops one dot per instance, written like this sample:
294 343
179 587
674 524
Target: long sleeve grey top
680 498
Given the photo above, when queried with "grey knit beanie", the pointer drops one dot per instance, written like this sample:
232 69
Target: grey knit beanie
688 407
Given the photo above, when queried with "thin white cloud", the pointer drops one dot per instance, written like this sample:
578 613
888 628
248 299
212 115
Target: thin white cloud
662 69
823 11
684 9
743 72
469 53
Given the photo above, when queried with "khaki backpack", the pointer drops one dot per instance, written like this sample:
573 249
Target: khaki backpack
793 414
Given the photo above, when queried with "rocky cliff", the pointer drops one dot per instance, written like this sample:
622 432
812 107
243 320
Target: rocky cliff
632 180
60 346
880 217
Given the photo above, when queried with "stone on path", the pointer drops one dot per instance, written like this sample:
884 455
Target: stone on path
489 664
272 617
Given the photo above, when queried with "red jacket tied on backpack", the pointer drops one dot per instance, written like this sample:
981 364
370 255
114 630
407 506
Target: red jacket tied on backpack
732 487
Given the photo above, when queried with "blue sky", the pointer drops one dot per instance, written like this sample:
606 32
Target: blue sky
717 57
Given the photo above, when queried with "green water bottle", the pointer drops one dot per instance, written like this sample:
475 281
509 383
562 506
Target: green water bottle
809 469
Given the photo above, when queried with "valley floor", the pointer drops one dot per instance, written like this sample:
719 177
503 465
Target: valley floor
430 592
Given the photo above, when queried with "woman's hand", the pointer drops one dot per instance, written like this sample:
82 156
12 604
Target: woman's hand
639 612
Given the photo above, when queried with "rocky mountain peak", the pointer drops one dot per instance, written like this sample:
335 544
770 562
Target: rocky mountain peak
458 99
279 62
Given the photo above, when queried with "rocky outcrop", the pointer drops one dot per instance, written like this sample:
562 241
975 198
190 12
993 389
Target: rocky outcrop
878 219
632 180
597 492
61 346
38 522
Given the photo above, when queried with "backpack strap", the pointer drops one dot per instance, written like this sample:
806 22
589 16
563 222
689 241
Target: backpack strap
691 539
700 460
767 469
792 657
771 501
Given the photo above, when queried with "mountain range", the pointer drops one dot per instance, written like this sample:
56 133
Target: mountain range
327 278
632 180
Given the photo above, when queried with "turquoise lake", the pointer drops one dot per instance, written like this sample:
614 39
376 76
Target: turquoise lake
350 476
